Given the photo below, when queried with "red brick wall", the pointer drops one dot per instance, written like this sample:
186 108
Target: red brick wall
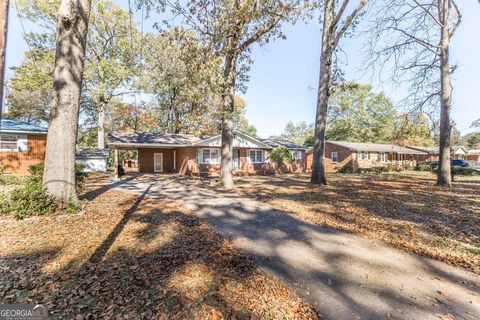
17 162
187 163
345 158
145 159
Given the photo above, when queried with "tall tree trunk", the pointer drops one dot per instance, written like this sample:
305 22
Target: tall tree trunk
444 171
3 46
72 27
323 95
226 178
101 126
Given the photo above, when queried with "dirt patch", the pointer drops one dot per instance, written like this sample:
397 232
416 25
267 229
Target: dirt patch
134 257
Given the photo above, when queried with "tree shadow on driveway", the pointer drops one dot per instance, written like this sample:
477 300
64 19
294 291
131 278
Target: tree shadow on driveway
345 276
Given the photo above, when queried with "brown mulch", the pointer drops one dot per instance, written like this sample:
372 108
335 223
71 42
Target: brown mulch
138 258
409 213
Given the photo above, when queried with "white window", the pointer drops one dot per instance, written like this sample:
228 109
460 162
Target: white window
256 156
209 156
297 154
364 155
382 157
334 156
8 142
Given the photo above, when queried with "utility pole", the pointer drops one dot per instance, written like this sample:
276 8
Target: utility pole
3 47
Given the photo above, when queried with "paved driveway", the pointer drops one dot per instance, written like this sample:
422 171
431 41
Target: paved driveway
345 276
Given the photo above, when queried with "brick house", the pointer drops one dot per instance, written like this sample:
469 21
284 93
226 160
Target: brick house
354 155
473 157
190 154
21 145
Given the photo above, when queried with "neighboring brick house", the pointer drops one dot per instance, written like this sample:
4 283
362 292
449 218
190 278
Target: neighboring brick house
190 154
354 155
21 145
473 157
457 152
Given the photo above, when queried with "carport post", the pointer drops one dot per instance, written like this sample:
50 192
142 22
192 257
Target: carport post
115 162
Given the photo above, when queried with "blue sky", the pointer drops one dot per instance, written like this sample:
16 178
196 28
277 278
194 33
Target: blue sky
284 77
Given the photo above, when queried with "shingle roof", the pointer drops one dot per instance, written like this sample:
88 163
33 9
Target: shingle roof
134 138
474 152
432 150
375 147
11 125
92 153
281 142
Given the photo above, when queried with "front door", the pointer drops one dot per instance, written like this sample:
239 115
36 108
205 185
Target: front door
236 163
158 162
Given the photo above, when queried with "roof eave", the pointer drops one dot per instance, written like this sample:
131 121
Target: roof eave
22 131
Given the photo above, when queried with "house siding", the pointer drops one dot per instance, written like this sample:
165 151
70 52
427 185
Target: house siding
145 159
345 158
18 162
187 163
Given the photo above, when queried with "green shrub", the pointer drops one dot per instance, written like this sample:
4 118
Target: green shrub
4 203
36 169
11 180
31 199
423 167
2 167
461 171
281 155
373 170
345 169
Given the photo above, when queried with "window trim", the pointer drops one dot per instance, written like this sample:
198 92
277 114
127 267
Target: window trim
202 160
336 156
9 134
298 152
382 155
256 150
363 155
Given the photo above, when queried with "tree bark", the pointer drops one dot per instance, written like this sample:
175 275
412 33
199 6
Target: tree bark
71 38
226 178
3 46
101 126
444 171
323 95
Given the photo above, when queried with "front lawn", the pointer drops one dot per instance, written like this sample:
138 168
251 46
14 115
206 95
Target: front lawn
137 258
405 210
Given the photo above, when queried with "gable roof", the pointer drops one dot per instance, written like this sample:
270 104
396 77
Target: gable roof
272 142
11 125
375 147
240 140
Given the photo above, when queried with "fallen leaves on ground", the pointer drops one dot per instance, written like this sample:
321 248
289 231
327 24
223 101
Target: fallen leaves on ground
138 258
406 212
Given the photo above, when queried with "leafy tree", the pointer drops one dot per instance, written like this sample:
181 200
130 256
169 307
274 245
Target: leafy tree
472 140
336 23
30 88
230 27
111 54
183 80
415 42
358 114
72 27
412 129
281 155
297 132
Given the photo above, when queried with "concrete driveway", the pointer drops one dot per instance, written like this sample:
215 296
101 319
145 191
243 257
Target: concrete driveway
345 276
